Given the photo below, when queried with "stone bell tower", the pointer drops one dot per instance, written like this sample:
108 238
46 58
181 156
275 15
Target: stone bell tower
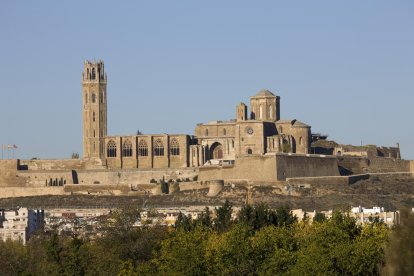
94 109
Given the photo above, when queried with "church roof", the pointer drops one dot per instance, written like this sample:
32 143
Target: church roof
299 124
294 123
265 93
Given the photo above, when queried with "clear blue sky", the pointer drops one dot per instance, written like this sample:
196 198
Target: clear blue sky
344 67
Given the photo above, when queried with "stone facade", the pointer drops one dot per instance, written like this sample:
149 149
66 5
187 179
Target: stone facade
261 133
94 109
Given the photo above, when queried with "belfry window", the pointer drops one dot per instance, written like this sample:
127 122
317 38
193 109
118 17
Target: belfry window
111 149
93 74
142 148
93 98
127 149
158 148
101 97
174 147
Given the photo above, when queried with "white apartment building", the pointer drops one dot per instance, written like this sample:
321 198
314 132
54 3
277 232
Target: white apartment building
20 223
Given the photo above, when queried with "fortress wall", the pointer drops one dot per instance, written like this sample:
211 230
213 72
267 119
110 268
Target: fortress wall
8 173
412 166
295 165
252 167
359 165
327 180
132 177
271 168
384 165
29 191
58 164
188 186
45 178
91 188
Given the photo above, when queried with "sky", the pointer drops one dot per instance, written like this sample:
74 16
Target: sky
344 67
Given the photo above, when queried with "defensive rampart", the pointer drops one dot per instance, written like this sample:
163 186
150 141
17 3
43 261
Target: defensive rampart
272 168
360 165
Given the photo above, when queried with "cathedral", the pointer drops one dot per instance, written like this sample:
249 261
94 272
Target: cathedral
259 132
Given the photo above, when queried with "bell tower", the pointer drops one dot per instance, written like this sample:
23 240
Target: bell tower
94 109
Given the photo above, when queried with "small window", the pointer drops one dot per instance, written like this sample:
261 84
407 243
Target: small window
93 98
206 131
249 151
93 115
224 132
101 97
86 98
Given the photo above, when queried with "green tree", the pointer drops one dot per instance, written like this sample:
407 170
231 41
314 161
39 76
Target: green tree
230 253
183 222
183 253
275 250
222 221
399 254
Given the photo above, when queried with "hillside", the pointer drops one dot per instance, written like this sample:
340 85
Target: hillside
391 192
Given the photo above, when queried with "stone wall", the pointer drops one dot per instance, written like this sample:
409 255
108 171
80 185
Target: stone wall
8 173
359 165
60 164
29 191
294 165
45 178
272 168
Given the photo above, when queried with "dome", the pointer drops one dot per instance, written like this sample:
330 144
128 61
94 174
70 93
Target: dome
265 93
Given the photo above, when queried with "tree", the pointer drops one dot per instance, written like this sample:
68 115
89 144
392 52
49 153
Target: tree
222 221
319 217
230 253
399 254
183 222
183 253
75 155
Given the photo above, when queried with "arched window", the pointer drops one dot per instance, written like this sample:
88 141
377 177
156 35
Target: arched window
127 149
174 147
142 148
206 131
93 97
93 74
158 148
93 116
261 112
111 149
224 132
249 151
